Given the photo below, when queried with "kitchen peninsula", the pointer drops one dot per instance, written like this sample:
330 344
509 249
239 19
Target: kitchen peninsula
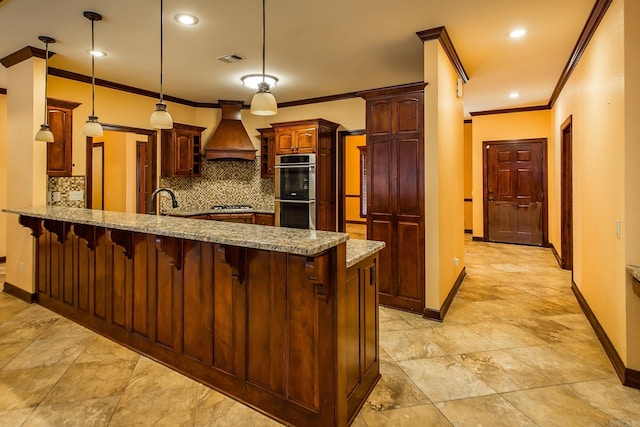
284 320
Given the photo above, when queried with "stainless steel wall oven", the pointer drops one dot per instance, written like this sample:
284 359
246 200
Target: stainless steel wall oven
296 191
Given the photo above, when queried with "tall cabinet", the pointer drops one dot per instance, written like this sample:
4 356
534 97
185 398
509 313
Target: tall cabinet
314 136
395 191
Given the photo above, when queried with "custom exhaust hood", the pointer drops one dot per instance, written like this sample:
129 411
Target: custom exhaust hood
230 140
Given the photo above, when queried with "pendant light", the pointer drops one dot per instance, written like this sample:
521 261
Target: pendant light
263 102
161 119
45 134
92 127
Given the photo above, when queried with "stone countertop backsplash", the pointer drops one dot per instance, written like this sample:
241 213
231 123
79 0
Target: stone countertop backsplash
222 182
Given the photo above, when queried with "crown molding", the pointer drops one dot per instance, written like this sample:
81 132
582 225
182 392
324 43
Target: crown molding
511 110
440 33
23 54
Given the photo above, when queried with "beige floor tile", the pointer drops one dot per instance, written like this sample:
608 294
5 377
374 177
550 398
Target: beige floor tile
149 376
95 413
86 381
9 351
556 406
409 344
27 387
551 331
10 306
458 339
14 417
391 320
159 407
502 371
425 415
567 362
101 349
612 398
443 378
24 330
490 411
505 334
394 390
215 409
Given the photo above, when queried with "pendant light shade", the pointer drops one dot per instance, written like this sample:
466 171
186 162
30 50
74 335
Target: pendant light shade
263 102
160 118
92 127
45 134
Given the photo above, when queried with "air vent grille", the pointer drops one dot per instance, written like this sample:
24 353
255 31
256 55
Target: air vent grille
232 57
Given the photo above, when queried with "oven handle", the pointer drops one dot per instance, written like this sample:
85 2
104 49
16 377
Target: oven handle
296 166
307 202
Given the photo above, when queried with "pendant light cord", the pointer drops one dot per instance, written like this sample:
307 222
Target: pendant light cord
161 50
93 72
263 38
46 73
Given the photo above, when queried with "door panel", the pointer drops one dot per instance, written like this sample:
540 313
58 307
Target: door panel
515 180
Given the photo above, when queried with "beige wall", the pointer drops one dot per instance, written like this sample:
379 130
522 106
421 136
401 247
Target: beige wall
534 124
444 176
605 174
3 175
468 176
349 113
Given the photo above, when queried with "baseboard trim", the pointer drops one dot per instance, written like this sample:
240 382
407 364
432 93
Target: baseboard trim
468 231
3 259
19 293
477 239
438 315
556 254
628 377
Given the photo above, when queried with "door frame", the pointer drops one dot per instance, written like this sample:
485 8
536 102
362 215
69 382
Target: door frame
341 170
152 140
545 192
566 195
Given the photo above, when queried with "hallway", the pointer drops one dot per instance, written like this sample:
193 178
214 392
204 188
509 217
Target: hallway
514 349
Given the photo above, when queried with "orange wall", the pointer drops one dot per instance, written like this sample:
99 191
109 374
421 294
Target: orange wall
3 175
352 176
444 176
534 124
468 176
605 174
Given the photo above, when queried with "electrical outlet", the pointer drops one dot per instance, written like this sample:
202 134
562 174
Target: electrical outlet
456 261
76 195
55 196
618 228
21 267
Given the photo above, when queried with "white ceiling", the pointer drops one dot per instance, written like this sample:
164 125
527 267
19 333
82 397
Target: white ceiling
318 48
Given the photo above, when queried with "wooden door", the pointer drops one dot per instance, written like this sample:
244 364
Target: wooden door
566 204
395 196
515 208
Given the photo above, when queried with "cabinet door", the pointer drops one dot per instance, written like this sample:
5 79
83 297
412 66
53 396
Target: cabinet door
263 219
305 140
59 161
183 153
285 141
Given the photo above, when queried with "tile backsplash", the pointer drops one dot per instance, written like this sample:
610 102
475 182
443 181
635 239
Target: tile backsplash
223 182
63 189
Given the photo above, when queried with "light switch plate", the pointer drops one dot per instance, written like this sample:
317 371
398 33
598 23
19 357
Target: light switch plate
76 195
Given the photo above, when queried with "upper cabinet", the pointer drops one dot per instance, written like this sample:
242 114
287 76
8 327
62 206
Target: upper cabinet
181 150
267 153
59 152
301 136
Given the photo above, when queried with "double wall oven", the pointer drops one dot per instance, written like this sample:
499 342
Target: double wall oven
296 191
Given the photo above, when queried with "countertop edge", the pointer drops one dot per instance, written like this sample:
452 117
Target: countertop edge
358 250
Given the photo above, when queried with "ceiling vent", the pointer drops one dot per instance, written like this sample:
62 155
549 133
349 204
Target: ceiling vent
230 58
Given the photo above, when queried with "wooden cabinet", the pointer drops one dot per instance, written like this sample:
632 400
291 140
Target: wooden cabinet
314 136
181 150
267 153
59 152
395 192
263 219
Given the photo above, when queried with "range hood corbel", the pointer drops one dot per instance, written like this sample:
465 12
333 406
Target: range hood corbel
230 140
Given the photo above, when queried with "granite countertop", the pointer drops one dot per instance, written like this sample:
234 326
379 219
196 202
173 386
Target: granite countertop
357 250
193 212
290 240
634 270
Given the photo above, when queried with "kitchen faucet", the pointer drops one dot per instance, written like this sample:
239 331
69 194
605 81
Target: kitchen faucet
174 202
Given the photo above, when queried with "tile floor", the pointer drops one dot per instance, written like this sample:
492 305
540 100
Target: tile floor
514 349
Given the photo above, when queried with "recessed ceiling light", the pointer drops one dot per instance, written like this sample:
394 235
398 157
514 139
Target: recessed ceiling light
97 53
517 33
186 19
514 95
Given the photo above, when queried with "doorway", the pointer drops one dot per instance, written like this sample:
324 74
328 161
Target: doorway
128 189
515 183
566 189
352 201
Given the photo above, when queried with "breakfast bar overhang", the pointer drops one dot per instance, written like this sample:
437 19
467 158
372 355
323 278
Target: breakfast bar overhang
281 319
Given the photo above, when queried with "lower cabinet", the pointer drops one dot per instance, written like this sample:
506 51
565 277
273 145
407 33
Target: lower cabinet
264 219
